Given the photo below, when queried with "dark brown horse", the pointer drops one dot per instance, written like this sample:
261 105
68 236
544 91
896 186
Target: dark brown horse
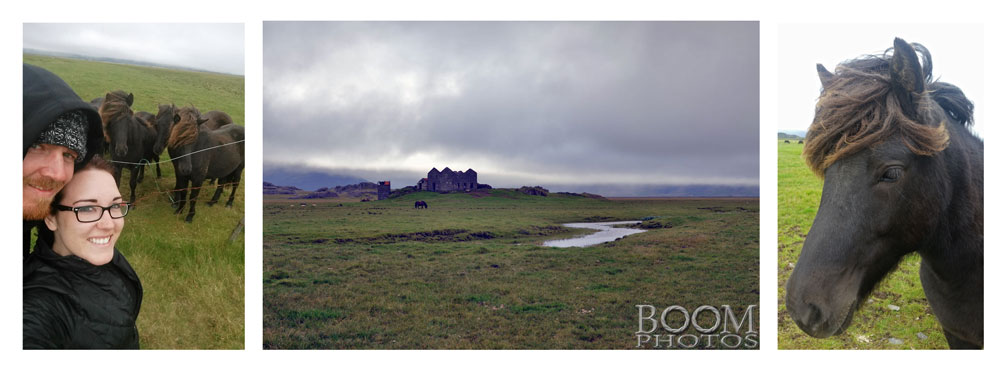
199 153
130 138
902 174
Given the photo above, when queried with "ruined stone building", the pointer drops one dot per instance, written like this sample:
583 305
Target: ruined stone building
448 180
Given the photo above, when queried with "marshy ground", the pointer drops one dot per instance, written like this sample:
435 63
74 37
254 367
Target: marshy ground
470 271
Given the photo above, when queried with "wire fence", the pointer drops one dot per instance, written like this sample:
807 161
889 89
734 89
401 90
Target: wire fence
145 162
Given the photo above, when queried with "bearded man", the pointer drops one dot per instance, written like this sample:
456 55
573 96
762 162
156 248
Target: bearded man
61 133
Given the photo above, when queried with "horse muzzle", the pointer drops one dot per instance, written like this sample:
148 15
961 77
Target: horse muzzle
817 320
820 310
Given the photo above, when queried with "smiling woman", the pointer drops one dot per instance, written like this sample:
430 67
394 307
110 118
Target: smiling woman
79 291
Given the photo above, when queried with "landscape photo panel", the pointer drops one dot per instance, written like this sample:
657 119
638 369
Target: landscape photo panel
511 185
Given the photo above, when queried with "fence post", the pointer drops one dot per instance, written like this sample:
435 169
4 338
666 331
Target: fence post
237 230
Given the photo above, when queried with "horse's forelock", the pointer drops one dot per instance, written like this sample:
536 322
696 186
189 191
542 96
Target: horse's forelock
111 111
858 110
186 131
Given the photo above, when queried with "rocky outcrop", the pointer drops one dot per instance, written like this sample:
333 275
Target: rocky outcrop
535 190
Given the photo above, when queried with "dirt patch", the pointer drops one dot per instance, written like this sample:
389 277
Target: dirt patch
434 236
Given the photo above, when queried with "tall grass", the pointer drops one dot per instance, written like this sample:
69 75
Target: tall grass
192 276
799 192
469 271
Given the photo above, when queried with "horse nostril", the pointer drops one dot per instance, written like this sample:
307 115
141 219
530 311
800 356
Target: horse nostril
808 316
813 314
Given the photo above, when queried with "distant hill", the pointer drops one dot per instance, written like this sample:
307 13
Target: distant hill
305 179
792 135
272 189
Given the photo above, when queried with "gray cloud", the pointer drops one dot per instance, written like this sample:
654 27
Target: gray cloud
211 47
535 102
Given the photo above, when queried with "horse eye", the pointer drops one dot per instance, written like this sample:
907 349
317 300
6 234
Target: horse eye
892 174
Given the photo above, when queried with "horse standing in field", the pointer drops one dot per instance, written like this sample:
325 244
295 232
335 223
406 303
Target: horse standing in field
420 204
162 123
199 153
151 156
130 138
902 174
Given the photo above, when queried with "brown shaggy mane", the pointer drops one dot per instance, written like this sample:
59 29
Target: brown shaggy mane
858 109
113 109
186 131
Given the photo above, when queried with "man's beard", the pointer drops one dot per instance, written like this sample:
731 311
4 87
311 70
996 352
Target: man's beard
37 209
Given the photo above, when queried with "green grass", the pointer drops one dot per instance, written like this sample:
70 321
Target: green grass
470 271
799 192
149 85
192 276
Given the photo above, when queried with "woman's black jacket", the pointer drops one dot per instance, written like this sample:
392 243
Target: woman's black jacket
70 303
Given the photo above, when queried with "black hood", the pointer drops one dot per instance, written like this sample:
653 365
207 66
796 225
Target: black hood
46 97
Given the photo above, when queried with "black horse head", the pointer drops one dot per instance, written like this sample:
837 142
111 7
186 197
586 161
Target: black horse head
116 114
163 122
880 139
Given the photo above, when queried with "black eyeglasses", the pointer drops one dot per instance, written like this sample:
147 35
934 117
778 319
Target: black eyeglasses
93 213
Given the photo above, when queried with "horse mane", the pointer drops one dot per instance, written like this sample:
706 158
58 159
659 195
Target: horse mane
112 109
858 109
185 131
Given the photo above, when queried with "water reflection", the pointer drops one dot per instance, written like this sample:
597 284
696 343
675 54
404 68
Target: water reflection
606 233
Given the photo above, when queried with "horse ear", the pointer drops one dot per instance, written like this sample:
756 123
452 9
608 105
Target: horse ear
907 76
825 77
107 96
129 99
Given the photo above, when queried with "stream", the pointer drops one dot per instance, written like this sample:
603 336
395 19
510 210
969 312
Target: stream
605 233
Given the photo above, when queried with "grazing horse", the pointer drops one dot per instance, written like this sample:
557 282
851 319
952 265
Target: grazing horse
787 142
800 141
902 174
130 137
199 153
420 204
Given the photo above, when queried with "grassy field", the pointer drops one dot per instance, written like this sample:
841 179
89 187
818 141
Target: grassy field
192 276
470 271
874 323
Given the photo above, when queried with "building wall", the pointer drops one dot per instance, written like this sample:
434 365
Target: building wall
383 190
448 180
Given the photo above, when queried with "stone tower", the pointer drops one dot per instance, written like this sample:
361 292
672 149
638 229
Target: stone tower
383 190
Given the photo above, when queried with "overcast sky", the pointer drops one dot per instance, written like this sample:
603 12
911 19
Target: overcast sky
522 103
956 53
211 47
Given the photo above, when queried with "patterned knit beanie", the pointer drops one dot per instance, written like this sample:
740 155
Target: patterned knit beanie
68 130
